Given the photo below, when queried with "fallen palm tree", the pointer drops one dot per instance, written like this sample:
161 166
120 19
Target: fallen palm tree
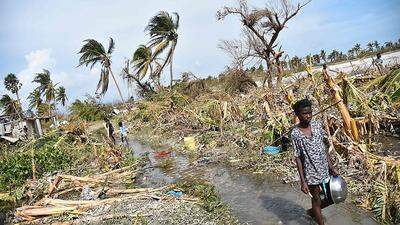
114 176
103 182
51 207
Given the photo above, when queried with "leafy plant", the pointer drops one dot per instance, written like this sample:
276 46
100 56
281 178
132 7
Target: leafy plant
89 110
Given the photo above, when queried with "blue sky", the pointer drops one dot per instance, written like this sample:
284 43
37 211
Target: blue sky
48 34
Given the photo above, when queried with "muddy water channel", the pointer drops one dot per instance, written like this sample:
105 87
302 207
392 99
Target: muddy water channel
253 198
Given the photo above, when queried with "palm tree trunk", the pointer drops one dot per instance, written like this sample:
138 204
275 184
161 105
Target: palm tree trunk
170 72
20 105
19 100
280 74
55 109
170 62
116 84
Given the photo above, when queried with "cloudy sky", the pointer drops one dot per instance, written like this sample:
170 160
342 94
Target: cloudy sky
48 34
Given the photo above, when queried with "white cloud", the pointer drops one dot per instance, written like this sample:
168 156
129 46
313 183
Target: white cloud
36 62
77 84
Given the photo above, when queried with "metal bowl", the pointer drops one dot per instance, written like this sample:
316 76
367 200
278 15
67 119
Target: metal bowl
338 189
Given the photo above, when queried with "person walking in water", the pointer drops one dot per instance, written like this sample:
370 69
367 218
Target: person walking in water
110 129
312 158
123 132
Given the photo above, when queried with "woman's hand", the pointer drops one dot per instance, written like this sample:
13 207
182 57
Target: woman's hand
304 188
333 172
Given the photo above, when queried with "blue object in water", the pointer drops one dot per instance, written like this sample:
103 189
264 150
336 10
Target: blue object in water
271 149
176 194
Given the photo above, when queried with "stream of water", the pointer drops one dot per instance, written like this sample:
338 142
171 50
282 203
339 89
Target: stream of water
254 199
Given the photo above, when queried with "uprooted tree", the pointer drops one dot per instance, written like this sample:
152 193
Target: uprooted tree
262 27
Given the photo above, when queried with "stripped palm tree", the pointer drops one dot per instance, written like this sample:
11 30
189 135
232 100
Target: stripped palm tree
61 96
12 84
163 33
144 87
35 99
94 52
9 105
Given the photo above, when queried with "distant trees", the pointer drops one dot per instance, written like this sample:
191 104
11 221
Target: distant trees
322 55
48 90
298 64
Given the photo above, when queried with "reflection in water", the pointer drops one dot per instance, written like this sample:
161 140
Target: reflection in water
284 209
254 199
263 200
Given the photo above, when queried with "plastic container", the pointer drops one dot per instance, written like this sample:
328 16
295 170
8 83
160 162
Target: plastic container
271 150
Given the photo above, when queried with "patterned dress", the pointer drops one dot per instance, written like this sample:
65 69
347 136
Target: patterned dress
312 152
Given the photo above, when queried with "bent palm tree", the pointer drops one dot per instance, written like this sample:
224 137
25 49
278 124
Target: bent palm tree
35 99
163 33
9 105
46 87
143 64
61 96
93 52
12 84
142 59
144 87
44 81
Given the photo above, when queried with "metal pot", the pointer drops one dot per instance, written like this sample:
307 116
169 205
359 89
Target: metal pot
338 189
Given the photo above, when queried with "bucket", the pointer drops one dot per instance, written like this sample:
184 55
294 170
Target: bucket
271 150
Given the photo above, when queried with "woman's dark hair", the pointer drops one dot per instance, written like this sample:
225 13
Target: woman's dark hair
120 123
301 105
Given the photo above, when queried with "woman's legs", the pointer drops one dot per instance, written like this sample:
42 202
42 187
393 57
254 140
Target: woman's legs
316 203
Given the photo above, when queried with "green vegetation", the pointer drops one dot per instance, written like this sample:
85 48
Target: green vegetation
17 167
205 191
54 152
89 109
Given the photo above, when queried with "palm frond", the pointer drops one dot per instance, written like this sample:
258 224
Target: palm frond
176 20
158 49
111 46
9 105
43 79
49 92
92 52
102 86
12 83
142 60
390 81
61 95
160 24
34 99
